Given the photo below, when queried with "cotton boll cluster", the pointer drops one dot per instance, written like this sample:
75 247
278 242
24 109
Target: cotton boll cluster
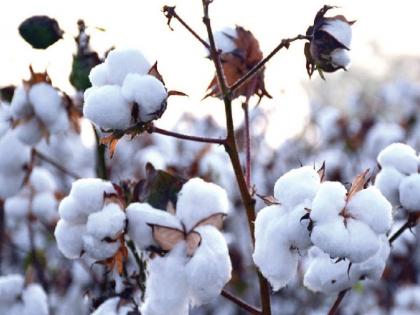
91 220
399 178
280 232
16 299
198 264
38 111
14 164
123 92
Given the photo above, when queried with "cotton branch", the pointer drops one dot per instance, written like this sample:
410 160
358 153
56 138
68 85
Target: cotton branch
57 165
241 303
337 302
154 129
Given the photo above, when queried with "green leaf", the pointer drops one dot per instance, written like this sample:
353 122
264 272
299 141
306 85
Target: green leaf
40 31
82 64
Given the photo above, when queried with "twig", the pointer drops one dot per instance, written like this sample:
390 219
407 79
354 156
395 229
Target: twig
153 129
411 222
285 43
241 303
45 158
170 13
101 169
247 145
333 310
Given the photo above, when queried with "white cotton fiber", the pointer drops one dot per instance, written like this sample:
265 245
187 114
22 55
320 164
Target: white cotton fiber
98 249
16 207
225 39
44 206
364 243
5 119
198 200
29 132
371 207
328 202
340 58
18 155
410 192
297 229
265 216
11 287
109 222
340 30
69 238
106 107
400 156
388 182
210 268
35 300
122 62
70 210
42 180
46 102
61 124
20 106
140 215
296 186
99 75
332 237
147 92
10 184
166 286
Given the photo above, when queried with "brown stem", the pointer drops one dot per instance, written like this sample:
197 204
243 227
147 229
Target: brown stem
101 169
411 222
47 159
285 43
154 129
333 310
232 150
241 303
170 13
247 145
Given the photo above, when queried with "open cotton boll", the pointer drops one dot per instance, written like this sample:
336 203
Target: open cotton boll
70 211
106 107
46 102
167 289
410 192
340 30
297 229
109 222
44 206
332 237
35 300
112 307
11 287
264 217
140 215
20 106
371 207
99 75
225 39
18 155
69 238
10 184
42 180
122 62
296 186
89 193
388 182
16 207
328 202
340 58
147 92
364 243
29 132
198 200
210 268
98 249
400 156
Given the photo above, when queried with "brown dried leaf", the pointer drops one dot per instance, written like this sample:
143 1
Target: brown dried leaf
167 237
153 71
37 77
268 200
321 172
119 257
215 220
111 142
176 93
358 184
193 240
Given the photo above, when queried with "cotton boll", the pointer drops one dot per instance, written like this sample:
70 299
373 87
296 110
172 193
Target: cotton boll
371 207
198 200
296 186
99 75
11 287
44 206
147 92
400 156
98 249
122 62
112 307
265 216
10 184
46 102
140 215
69 238
340 30
42 180
35 300
70 211
225 39
61 124
167 274
210 268
16 207
18 155
89 193
388 181
297 229
332 237
106 107
340 58
410 192
20 106
381 135
29 132
329 201
364 243
109 222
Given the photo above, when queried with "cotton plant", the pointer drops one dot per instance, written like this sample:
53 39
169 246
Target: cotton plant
196 265
399 178
16 298
92 221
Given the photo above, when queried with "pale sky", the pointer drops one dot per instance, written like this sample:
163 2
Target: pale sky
392 26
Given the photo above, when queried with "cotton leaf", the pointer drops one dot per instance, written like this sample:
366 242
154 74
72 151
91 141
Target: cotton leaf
358 184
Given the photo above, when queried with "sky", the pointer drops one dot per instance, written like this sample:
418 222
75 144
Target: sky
383 28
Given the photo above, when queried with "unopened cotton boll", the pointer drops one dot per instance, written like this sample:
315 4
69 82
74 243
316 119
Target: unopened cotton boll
296 186
122 62
410 192
210 268
388 182
106 107
46 102
109 222
69 238
147 92
400 156
198 200
328 202
20 106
